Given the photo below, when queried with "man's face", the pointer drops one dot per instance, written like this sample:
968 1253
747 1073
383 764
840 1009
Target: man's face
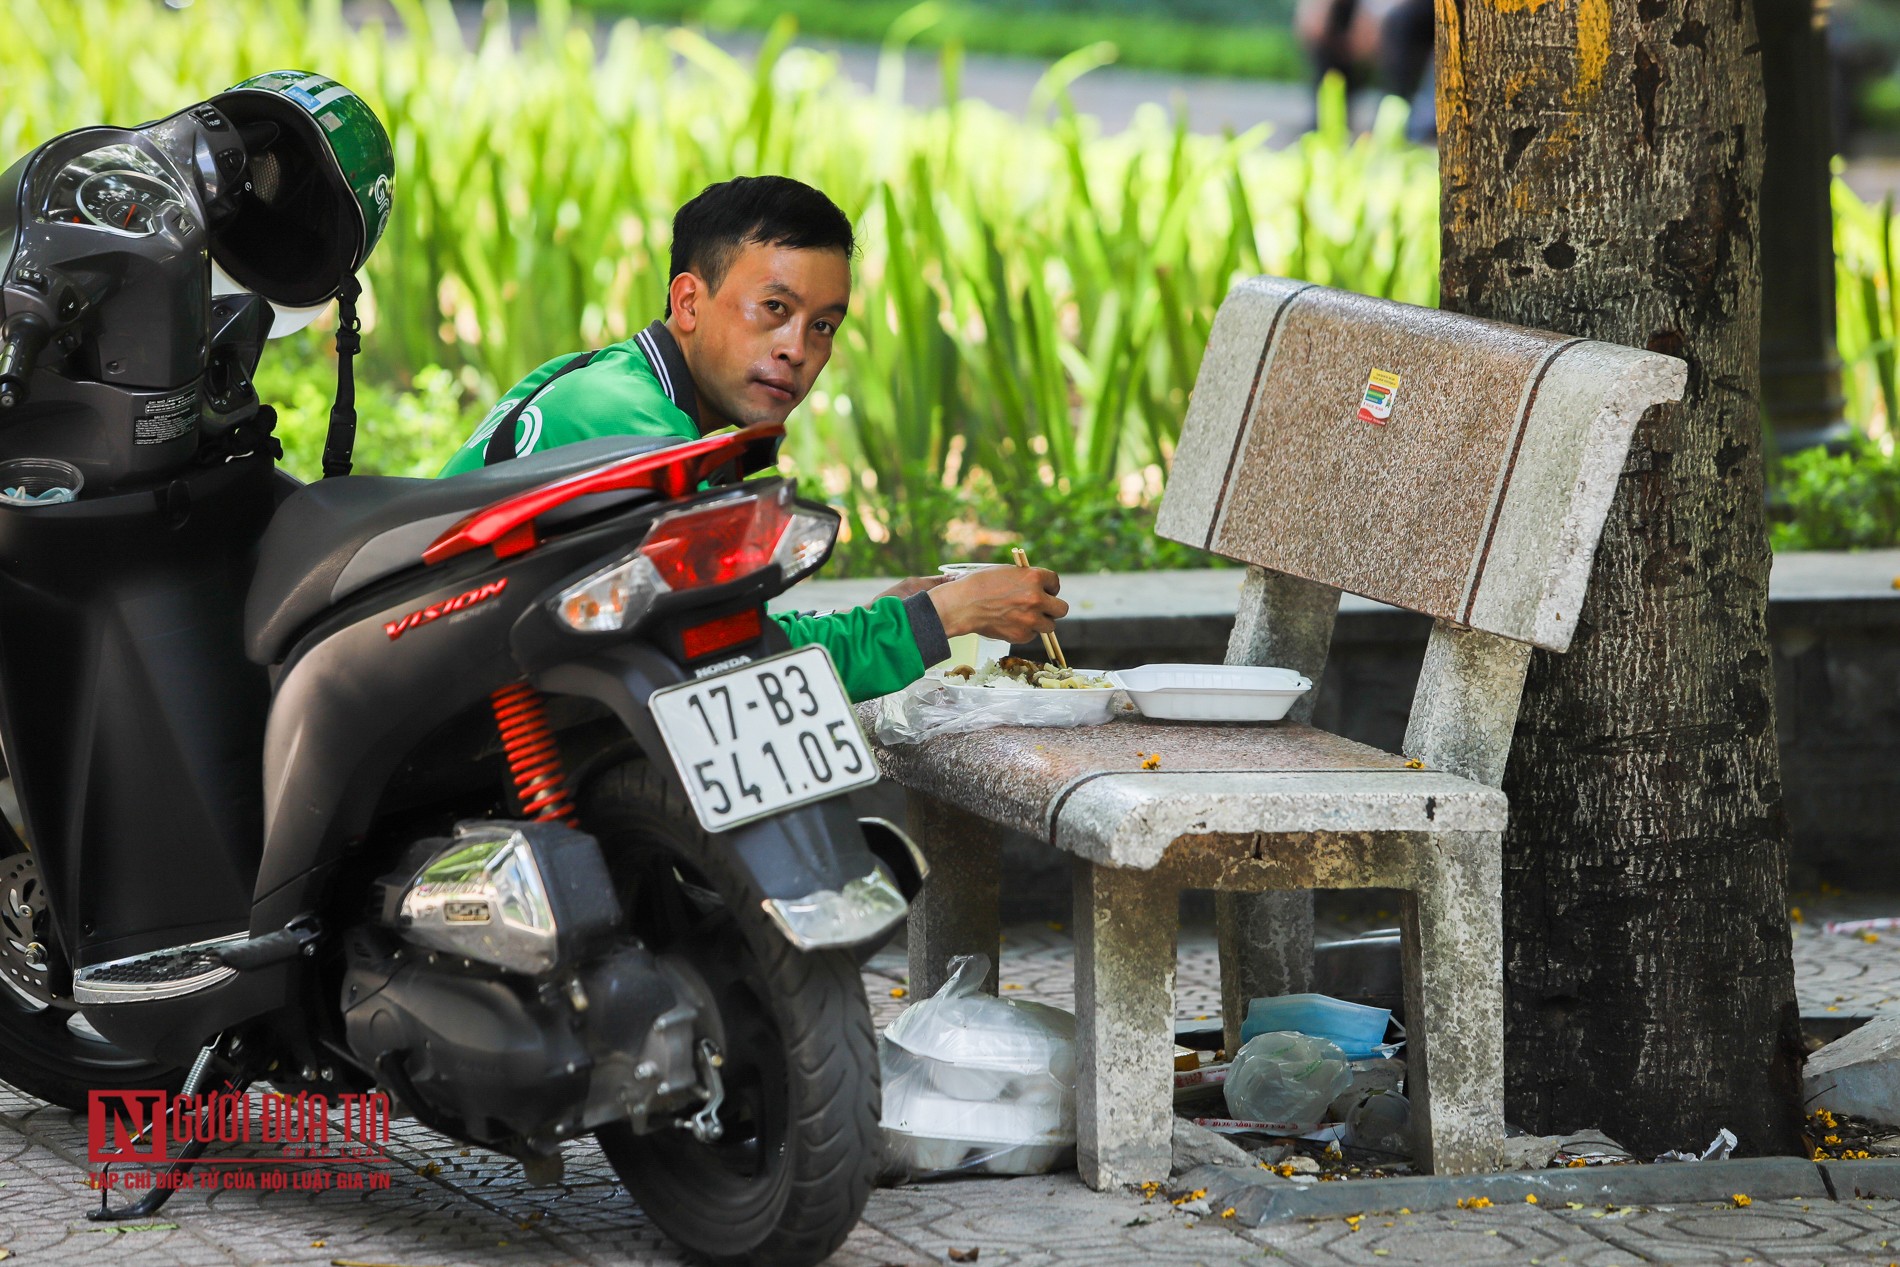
755 345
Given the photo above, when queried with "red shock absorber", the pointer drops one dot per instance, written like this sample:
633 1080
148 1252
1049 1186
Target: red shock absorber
534 760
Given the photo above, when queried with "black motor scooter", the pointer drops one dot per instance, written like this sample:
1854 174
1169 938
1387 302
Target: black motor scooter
499 794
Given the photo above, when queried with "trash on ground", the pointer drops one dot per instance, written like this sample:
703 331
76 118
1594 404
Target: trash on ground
1718 1150
1247 1126
1884 924
1380 1122
1357 1030
977 1083
1201 1086
1368 1077
1590 1148
1282 1076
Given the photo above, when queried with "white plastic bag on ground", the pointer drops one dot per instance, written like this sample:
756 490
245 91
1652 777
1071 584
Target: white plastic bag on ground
977 1083
1287 1079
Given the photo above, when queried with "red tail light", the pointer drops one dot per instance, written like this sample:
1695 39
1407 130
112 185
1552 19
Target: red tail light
716 635
717 543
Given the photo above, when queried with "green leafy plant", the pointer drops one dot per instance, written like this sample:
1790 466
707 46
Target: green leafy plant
1839 501
1239 40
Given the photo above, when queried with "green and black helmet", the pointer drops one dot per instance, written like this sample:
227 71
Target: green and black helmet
320 187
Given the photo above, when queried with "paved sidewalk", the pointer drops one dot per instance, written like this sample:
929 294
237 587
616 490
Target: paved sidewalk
449 1205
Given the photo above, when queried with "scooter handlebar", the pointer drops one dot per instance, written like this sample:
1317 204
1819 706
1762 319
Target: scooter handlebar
21 341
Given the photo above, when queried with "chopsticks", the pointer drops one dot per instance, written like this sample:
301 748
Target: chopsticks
1050 647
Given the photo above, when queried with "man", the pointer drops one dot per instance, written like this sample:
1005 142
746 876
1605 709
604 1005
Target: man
761 279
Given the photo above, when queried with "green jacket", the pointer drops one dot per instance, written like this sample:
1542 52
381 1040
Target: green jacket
641 387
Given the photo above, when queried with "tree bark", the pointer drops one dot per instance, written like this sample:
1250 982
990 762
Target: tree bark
1600 162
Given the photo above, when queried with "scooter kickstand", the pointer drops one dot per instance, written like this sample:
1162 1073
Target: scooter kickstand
153 1201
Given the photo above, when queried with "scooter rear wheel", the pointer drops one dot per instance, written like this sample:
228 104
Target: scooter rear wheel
790 1176
46 1047
795 1167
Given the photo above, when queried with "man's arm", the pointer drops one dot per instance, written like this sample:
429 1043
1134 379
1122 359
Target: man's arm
886 646
878 649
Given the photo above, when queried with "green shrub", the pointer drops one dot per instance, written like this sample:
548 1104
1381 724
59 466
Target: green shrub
1844 501
1225 41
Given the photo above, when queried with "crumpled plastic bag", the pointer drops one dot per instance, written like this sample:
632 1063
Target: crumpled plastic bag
925 709
1718 1150
1287 1080
977 1083
1381 1122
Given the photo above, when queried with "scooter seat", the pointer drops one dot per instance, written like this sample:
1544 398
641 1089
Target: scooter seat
332 538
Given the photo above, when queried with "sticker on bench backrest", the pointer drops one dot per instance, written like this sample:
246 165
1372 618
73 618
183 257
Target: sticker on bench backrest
1478 501
1376 405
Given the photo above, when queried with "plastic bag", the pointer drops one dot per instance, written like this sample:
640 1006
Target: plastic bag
977 1083
1286 1079
1381 1122
926 709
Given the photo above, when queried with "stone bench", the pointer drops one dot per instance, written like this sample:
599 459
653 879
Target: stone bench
1474 492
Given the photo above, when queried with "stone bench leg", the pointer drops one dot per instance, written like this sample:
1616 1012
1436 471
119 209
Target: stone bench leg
1453 924
1125 928
1266 948
957 912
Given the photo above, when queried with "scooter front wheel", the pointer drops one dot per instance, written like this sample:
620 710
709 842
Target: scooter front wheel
795 1160
47 1049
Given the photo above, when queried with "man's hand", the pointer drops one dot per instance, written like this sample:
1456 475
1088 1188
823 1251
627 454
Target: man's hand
1014 604
911 585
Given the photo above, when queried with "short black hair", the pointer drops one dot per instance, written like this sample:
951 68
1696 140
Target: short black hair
766 210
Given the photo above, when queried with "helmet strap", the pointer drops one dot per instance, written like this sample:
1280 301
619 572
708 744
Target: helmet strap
341 440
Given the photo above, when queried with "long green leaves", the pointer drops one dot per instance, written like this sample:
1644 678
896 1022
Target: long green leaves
1031 299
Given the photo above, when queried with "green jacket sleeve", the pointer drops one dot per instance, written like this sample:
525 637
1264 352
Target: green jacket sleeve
878 649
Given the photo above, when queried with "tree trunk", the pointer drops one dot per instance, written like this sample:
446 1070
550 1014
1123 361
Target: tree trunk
1600 162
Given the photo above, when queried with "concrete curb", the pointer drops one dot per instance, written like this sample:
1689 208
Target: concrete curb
1259 1196
1871 1179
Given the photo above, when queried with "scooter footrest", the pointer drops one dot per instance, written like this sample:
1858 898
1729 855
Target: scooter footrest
157 974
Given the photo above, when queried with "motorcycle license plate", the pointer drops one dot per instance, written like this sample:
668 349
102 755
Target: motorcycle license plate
763 738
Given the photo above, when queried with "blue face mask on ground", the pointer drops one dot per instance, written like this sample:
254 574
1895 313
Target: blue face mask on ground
1357 1030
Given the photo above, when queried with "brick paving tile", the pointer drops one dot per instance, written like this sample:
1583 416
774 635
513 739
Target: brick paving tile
1479 1238
1782 1233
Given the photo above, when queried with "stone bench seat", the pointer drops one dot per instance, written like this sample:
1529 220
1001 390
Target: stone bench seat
1085 791
1262 808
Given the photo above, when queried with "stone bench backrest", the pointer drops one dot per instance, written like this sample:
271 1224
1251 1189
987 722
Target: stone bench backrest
1454 466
